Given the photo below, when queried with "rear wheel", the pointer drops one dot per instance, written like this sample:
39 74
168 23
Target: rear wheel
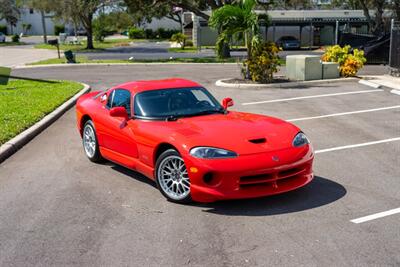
90 144
172 177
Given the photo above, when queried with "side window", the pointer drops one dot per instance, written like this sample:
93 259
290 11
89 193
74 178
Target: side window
121 98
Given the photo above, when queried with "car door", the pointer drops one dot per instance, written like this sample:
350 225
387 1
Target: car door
117 133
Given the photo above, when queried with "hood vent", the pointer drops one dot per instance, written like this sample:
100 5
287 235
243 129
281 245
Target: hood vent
258 141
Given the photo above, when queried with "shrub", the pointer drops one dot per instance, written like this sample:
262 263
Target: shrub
162 33
189 43
99 30
263 63
59 28
15 38
135 33
149 34
3 29
350 62
180 38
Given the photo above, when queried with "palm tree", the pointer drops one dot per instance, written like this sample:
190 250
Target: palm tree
237 18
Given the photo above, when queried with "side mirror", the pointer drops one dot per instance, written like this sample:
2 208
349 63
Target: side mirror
227 102
119 112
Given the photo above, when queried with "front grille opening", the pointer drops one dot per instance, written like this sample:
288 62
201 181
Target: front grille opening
291 172
256 179
258 140
271 179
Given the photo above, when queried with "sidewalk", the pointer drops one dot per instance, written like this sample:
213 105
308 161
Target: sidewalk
384 80
12 56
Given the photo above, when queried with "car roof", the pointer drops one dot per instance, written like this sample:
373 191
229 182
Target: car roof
171 83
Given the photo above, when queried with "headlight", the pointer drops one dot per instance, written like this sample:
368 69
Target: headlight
300 140
211 153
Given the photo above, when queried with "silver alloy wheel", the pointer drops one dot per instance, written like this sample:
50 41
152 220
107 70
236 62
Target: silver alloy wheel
89 141
173 178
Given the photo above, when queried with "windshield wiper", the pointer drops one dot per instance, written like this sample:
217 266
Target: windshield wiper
172 118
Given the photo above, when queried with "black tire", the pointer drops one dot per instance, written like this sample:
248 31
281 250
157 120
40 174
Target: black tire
168 154
96 156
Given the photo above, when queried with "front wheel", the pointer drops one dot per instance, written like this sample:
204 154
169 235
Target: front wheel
172 177
90 144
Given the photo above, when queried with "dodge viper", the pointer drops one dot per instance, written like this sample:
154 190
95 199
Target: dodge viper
175 132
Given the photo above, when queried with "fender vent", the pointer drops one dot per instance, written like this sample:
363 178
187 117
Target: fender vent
258 140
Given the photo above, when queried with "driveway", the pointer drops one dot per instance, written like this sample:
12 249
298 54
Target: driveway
159 50
57 208
12 56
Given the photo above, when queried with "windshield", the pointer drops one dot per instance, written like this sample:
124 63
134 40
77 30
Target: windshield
174 103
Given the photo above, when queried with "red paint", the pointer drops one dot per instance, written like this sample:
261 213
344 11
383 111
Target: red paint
265 168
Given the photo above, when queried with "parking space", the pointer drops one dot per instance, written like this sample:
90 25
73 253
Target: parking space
56 206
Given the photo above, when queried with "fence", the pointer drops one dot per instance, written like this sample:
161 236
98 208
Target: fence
394 54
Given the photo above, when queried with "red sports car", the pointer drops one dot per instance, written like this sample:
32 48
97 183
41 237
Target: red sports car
176 133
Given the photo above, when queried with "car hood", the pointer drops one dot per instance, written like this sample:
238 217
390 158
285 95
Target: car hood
243 133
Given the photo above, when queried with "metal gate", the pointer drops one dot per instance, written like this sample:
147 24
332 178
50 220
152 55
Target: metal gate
394 57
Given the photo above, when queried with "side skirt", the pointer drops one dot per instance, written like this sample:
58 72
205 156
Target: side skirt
129 162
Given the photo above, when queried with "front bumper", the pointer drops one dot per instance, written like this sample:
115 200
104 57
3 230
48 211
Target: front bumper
250 176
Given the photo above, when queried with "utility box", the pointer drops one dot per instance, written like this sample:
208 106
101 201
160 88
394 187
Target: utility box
330 70
303 67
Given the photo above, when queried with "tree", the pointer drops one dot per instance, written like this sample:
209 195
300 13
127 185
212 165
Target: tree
198 7
375 22
84 10
9 11
396 8
238 18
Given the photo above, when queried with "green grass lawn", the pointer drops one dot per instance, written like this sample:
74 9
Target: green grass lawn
83 59
23 103
180 50
12 43
109 43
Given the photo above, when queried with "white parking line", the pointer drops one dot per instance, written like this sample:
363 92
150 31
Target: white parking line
357 145
376 216
311 96
343 113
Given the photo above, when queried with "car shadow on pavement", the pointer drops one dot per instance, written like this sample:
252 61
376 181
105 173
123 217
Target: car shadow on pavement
133 174
319 192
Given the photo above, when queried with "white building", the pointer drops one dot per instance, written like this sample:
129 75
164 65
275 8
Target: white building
34 18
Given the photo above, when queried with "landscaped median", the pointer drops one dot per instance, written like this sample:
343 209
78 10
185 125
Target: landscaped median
25 103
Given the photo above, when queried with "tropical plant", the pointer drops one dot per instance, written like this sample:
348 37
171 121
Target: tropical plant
349 61
237 18
180 38
263 63
26 27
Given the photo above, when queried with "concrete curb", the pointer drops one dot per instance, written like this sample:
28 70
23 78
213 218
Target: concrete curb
13 145
222 83
118 64
378 81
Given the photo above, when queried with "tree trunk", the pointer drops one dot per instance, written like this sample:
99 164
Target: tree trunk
89 32
44 26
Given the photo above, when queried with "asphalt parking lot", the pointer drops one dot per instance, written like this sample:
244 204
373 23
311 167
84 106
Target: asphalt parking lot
57 208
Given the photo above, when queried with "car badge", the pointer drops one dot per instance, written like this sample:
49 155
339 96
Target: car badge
275 158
